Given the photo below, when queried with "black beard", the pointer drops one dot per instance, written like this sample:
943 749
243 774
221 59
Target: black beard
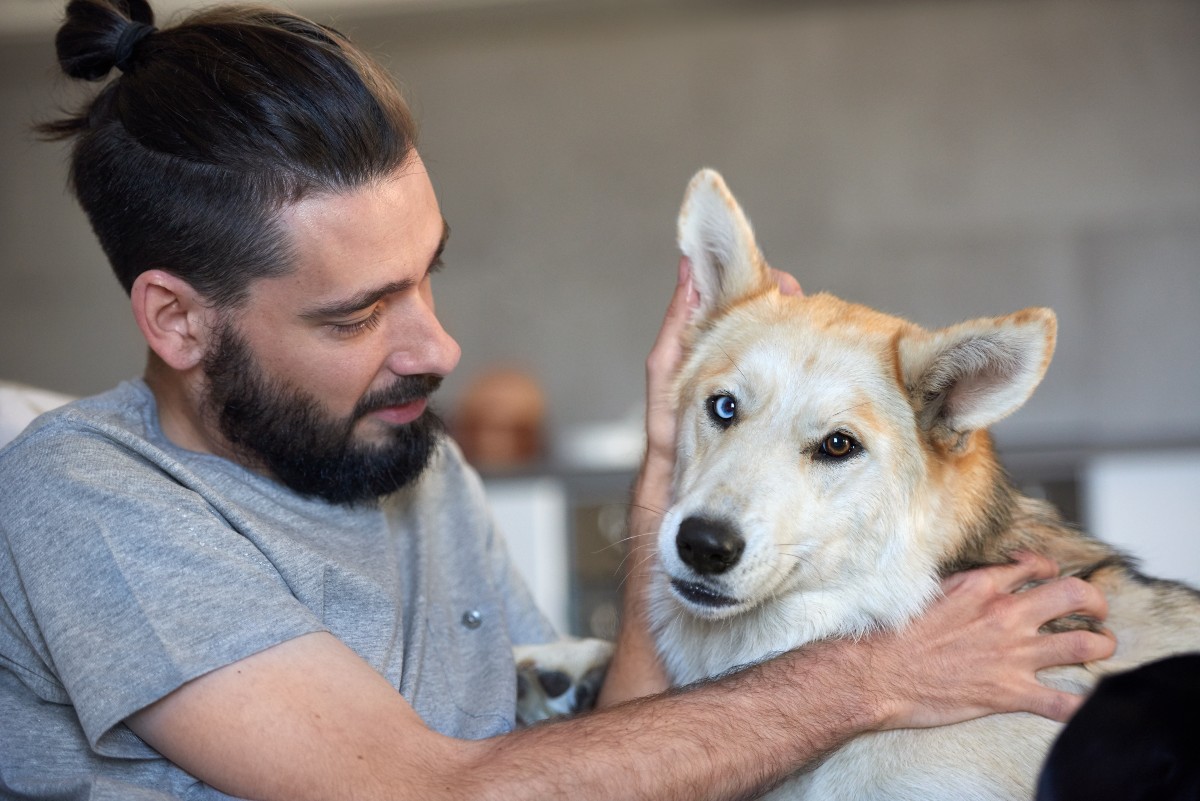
286 432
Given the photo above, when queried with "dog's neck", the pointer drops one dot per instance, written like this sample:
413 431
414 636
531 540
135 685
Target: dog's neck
977 503
989 530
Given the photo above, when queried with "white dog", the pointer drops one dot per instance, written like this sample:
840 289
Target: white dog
833 465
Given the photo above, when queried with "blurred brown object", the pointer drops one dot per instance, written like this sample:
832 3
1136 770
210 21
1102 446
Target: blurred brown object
499 421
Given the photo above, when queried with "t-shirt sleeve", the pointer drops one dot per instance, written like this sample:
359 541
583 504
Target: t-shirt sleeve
130 582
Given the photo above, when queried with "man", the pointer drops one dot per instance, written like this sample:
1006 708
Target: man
261 572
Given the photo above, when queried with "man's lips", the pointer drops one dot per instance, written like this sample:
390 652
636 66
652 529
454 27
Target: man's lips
400 415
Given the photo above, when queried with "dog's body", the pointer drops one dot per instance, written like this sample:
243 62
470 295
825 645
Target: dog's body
833 465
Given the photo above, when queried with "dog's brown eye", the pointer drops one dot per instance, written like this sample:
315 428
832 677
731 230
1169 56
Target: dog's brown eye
839 445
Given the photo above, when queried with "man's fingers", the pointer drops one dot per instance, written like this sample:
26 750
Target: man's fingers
1025 568
1062 597
661 366
665 353
786 282
1054 704
1073 648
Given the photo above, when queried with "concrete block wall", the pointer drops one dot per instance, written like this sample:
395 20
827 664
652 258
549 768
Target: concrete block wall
940 159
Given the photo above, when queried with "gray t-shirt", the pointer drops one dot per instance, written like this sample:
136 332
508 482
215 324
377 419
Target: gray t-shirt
129 566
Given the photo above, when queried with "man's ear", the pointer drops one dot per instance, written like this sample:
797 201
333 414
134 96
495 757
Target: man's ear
715 235
971 375
173 318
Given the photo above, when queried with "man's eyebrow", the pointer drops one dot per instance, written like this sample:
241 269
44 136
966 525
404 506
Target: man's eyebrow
355 303
436 262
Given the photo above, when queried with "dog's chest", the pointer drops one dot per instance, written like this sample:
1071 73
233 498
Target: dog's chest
694 649
994 761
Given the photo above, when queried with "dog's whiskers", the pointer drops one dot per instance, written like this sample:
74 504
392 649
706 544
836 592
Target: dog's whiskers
648 557
646 508
624 541
851 408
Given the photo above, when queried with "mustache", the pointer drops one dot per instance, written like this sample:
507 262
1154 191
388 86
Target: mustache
405 390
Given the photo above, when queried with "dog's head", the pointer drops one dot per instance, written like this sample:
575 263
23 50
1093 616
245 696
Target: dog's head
825 449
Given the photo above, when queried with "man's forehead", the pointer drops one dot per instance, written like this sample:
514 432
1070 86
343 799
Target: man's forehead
364 294
385 232
403 197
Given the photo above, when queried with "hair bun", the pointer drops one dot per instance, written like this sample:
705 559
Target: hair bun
98 35
123 53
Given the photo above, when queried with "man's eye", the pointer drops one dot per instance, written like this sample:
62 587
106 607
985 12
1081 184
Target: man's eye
358 326
722 409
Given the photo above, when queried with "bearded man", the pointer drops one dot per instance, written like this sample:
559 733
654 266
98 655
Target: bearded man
261 571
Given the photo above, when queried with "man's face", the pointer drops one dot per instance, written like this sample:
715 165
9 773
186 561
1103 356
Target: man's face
322 377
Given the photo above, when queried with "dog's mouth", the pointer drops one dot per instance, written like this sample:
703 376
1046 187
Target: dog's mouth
700 595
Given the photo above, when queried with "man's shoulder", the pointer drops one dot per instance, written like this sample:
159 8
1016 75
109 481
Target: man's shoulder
79 430
21 404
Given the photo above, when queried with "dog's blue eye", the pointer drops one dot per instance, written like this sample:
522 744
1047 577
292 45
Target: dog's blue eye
722 409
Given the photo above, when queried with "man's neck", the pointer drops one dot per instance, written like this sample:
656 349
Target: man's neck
180 413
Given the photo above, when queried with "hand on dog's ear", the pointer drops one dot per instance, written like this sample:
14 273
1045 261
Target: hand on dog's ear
971 375
716 237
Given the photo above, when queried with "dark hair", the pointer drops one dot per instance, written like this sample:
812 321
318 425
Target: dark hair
184 160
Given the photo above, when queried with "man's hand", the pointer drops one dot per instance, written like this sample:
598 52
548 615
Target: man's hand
662 367
635 670
977 650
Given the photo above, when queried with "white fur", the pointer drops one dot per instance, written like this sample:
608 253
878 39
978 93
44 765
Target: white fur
985 369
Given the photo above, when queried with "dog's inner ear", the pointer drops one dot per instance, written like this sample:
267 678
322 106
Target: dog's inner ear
717 238
972 375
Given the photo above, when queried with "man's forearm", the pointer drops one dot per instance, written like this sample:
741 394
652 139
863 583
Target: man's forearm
727 738
635 670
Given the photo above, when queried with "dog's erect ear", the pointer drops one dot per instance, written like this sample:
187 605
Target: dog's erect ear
971 375
716 236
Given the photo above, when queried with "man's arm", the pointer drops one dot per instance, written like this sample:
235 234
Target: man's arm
309 719
635 669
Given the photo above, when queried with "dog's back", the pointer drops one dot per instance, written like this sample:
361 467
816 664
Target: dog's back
834 464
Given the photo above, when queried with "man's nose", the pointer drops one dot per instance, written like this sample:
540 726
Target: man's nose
424 348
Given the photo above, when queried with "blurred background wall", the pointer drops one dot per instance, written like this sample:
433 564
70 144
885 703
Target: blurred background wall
939 159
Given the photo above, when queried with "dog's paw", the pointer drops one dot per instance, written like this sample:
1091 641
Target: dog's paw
560 678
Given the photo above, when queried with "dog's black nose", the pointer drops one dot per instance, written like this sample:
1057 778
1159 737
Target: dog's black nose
708 546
